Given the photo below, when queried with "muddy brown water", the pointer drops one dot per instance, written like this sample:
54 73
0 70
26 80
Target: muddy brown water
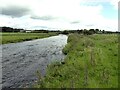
21 61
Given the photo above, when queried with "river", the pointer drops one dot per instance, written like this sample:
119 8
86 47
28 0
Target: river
20 61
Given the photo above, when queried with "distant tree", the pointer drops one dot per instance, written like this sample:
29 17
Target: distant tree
92 31
103 31
96 30
79 31
65 32
86 32
0 29
7 29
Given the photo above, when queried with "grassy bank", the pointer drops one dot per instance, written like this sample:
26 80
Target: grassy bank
91 62
19 37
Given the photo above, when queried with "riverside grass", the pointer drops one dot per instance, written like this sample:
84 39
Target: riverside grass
91 62
6 38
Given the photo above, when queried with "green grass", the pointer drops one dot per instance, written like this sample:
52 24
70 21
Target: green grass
19 37
91 62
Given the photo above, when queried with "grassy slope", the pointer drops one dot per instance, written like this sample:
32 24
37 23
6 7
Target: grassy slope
91 62
18 37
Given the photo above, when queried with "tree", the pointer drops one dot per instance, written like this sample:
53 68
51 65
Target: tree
96 30
103 31
92 31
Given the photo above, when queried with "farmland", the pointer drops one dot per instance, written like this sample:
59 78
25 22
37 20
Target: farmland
91 62
19 37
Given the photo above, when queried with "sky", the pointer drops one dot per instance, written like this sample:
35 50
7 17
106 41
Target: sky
60 14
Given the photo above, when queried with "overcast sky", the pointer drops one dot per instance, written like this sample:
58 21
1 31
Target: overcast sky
60 14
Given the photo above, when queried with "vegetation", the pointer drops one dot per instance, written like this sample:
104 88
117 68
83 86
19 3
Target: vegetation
91 62
18 37
91 58
82 31
88 32
9 29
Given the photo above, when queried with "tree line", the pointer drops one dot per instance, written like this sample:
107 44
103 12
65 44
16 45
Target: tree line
9 29
89 32
82 31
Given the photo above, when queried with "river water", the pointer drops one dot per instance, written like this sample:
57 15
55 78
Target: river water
21 61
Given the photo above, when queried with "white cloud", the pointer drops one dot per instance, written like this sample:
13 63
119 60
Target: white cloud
64 11
115 3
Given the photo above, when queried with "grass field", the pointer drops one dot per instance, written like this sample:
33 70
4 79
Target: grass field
18 37
91 62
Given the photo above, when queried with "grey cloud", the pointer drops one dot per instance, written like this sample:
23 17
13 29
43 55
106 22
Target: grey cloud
43 17
43 27
15 11
75 22
89 25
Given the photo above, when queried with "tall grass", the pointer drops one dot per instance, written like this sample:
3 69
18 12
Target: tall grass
91 62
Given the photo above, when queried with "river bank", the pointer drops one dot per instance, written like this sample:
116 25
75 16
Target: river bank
91 62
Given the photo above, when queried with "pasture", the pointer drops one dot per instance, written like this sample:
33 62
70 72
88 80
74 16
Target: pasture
19 37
